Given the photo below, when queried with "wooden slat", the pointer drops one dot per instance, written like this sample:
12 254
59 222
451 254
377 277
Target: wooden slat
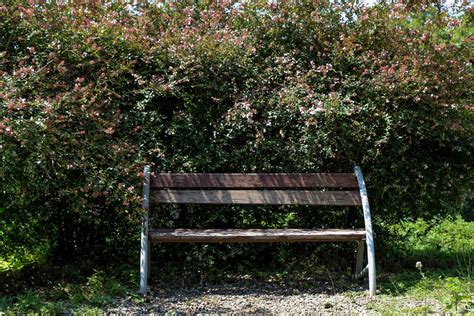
254 180
255 235
256 197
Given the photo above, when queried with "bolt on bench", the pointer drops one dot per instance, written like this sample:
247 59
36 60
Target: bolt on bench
318 189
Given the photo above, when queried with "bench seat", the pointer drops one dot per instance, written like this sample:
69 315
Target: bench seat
255 235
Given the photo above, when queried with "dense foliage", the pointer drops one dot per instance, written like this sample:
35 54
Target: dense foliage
89 94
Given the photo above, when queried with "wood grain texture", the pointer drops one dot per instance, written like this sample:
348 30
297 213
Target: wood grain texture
255 235
258 197
254 180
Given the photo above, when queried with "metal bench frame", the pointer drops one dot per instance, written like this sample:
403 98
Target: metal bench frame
246 196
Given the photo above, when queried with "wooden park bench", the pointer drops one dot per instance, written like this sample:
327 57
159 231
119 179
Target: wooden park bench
318 189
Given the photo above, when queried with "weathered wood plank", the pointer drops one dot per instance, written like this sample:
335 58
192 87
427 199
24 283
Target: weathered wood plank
254 180
258 197
255 235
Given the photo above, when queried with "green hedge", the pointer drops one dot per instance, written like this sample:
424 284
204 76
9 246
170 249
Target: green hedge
89 94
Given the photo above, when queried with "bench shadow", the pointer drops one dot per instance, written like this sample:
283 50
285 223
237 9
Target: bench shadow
207 299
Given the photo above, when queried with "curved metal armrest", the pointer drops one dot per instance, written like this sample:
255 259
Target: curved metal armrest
368 229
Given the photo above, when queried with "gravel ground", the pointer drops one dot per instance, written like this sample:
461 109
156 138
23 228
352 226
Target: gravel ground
262 298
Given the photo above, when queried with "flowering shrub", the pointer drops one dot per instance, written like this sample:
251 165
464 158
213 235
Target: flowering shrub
91 93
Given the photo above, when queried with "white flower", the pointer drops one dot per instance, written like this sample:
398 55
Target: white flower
419 265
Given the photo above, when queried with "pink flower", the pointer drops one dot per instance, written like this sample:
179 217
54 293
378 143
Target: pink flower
9 130
21 104
454 22
110 130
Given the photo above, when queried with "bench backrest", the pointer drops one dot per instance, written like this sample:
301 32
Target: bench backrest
256 188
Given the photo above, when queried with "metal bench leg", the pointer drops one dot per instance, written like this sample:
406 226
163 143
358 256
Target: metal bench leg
368 229
371 265
145 244
360 257
148 263
144 259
